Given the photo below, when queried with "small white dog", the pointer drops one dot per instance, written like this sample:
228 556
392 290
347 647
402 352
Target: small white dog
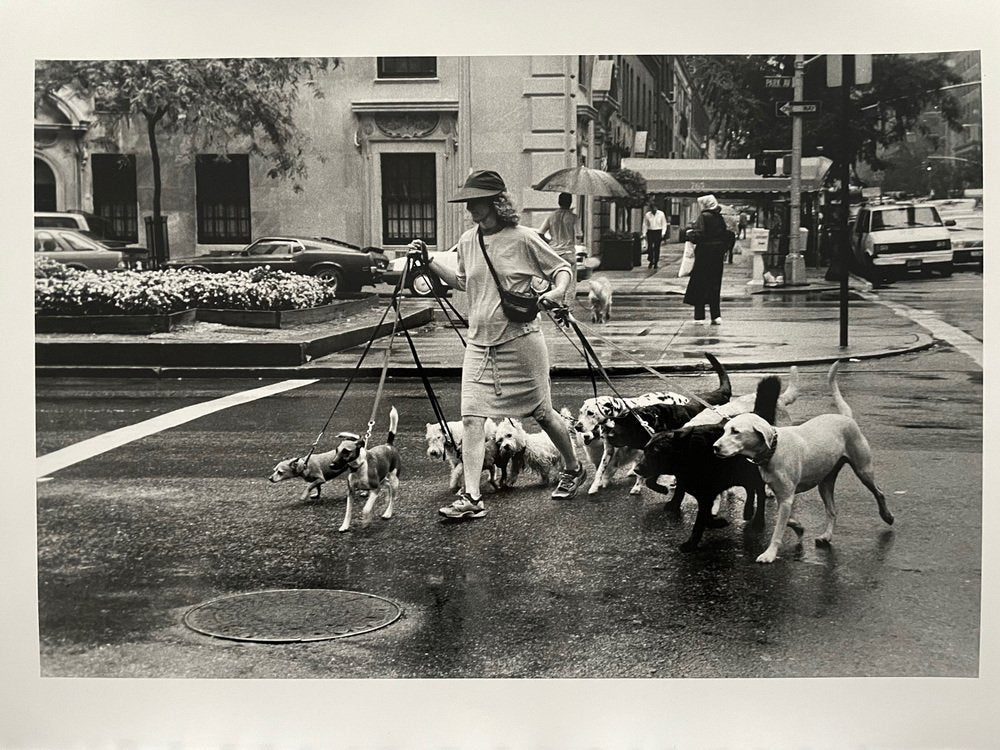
535 449
600 297
440 449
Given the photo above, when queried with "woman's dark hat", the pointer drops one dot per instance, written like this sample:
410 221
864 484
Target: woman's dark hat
484 183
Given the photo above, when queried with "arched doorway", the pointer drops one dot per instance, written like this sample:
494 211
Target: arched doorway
45 187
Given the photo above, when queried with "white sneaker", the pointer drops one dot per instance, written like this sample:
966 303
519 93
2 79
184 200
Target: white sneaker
699 322
716 321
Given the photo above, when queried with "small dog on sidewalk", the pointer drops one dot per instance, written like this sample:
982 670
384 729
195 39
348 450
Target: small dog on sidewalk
600 296
369 469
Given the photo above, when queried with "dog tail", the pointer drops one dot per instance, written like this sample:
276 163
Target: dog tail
766 403
831 378
724 392
791 393
393 424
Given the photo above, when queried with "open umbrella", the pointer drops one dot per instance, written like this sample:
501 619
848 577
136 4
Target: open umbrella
581 181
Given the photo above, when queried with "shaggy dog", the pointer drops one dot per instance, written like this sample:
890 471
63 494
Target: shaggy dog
601 295
532 450
440 449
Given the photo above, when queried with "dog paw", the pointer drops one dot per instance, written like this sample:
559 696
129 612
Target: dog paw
717 522
822 541
767 556
635 491
887 517
593 489
344 528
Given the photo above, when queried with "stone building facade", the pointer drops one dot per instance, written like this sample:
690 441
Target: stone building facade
390 141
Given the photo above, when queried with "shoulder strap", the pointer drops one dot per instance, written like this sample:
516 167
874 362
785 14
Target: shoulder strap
482 245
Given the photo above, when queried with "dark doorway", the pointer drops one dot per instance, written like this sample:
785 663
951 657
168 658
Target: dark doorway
45 187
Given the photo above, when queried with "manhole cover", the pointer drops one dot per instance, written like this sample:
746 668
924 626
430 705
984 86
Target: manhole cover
292 615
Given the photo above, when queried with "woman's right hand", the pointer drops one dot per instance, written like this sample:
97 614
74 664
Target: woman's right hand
418 251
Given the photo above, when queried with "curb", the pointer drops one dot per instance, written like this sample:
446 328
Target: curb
925 341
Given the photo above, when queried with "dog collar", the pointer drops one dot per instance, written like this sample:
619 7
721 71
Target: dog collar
764 457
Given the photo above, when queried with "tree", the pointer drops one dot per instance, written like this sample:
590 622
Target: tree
741 111
215 101
635 185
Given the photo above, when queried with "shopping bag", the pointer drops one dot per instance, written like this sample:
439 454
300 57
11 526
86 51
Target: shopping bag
687 261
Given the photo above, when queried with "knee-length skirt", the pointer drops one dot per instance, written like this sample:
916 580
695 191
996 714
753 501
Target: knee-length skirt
508 380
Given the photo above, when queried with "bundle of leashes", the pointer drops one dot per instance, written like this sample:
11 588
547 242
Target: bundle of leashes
397 324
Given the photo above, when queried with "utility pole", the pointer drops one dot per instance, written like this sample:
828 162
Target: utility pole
795 265
847 75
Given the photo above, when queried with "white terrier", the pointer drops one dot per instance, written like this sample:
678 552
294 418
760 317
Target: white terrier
536 449
438 448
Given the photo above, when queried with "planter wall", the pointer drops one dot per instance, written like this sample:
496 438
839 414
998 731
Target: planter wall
617 255
112 323
287 318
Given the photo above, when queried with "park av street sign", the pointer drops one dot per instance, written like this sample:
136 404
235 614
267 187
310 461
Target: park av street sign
778 82
805 109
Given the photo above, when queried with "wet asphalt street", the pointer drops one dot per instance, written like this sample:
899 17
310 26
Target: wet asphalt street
129 540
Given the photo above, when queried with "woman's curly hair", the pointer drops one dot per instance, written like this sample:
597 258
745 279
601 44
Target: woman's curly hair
506 212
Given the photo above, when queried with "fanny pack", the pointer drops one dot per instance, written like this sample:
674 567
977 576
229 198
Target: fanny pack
518 307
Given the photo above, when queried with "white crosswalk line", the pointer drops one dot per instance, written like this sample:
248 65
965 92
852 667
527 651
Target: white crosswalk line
968 345
73 454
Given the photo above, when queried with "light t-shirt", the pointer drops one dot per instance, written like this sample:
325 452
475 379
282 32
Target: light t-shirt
561 225
519 255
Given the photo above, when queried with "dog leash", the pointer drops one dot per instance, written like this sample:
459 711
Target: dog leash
395 294
381 379
565 314
672 383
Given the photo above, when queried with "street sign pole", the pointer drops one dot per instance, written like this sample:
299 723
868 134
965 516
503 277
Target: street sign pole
795 266
847 71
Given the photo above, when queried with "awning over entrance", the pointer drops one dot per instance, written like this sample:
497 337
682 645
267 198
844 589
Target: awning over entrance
722 177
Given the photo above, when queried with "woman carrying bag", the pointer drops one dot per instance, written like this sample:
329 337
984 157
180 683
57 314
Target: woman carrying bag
505 372
712 241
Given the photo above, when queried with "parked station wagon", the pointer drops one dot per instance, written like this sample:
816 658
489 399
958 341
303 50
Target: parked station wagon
345 266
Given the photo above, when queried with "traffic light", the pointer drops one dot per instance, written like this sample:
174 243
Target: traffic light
765 164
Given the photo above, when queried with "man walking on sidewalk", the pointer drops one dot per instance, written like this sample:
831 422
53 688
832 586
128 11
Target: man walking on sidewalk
656 229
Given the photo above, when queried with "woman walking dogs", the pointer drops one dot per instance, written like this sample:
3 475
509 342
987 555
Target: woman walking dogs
712 241
506 367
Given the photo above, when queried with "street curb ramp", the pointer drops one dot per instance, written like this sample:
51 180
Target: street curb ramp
212 354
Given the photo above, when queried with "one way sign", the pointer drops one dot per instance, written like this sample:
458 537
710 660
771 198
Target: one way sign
806 109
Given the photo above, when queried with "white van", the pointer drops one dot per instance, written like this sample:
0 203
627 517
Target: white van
897 238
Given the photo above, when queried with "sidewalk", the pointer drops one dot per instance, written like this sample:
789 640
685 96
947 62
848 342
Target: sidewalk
650 325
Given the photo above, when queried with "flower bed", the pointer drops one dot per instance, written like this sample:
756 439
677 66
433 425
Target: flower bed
63 293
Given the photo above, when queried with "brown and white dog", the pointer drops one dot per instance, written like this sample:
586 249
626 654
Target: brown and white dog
368 471
600 296
796 459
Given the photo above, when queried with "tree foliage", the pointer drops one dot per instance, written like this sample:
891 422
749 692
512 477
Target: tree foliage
742 118
216 101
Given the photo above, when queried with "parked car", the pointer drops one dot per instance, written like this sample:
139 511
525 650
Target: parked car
967 239
76 250
420 283
96 227
895 239
347 267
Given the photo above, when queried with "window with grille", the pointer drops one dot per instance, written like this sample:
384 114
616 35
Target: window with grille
409 198
115 197
223 190
407 67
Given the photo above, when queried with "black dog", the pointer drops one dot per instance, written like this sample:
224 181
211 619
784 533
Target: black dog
625 431
689 455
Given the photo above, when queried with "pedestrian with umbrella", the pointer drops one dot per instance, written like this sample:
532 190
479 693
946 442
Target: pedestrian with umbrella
561 228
